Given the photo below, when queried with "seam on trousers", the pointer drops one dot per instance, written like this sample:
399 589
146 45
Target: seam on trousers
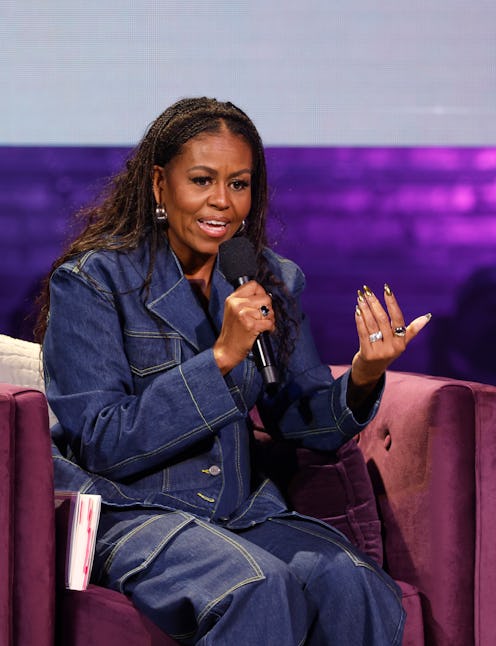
358 562
144 564
399 628
108 562
258 576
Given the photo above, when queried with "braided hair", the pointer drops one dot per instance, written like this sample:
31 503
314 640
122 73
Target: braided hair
124 217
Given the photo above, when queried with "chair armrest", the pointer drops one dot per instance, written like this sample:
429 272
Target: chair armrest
431 452
27 552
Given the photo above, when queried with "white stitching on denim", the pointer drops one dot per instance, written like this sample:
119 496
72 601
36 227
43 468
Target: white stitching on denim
88 484
82 261
160 367
239 475
218 443
165 294
125 539
178 501
255 497
193 398
158 548
353 557
168 445
259 576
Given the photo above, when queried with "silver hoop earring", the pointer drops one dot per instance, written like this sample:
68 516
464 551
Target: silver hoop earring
241 228
160 213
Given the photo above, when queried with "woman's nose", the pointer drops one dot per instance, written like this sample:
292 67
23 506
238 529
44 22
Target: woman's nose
218 197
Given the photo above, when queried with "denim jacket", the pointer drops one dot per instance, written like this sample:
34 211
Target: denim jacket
146 418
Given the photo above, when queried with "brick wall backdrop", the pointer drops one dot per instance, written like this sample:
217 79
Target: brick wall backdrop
423 220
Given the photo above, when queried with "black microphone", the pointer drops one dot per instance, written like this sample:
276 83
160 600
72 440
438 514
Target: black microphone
238 263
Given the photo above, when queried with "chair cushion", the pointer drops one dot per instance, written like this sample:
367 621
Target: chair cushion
332 486
101 617
336 488
20 363
413 634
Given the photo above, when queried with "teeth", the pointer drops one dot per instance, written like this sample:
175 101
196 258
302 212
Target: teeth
214 223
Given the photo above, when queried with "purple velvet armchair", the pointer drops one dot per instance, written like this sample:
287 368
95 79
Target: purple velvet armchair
415 492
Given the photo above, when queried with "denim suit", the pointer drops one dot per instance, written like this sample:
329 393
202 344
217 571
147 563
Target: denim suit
147 420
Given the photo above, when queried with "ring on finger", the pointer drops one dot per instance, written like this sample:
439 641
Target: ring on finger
400 330
375 336
265 310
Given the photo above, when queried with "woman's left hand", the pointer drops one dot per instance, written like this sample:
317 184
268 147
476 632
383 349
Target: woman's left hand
383 335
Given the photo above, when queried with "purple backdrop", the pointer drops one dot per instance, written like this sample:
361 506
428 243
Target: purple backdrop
421 219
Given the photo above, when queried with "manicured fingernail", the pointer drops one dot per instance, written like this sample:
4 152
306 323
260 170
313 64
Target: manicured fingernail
387 289
428 316
367 291
360 296
357 311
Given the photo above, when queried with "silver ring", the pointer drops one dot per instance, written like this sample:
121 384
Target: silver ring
376 336
399 331
265 310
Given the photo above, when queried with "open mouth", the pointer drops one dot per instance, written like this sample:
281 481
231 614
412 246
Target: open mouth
213 227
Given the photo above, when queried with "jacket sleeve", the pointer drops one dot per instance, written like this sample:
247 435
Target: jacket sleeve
107 428
311 406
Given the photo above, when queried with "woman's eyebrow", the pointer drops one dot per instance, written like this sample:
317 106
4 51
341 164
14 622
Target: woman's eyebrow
212 171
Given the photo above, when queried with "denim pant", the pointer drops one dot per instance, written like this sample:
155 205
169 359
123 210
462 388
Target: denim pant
288 581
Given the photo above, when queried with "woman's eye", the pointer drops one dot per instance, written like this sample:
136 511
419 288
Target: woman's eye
201 181
239 184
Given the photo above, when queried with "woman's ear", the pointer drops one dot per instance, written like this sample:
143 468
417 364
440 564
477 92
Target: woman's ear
158 179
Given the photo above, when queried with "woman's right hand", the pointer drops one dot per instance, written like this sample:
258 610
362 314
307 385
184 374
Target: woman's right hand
243 321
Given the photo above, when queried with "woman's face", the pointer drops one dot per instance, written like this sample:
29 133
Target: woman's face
206 191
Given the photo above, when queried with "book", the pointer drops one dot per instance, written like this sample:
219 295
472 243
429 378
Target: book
77 515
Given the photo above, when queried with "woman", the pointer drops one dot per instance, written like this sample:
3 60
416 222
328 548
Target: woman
149 370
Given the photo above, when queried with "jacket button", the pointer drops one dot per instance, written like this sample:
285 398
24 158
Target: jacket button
214 470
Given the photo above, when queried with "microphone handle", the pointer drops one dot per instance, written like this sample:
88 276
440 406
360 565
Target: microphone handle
264 355
264 360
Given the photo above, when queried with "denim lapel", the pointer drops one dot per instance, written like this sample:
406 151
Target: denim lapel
172 300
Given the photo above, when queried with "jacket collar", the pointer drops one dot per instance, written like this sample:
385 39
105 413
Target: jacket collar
172 300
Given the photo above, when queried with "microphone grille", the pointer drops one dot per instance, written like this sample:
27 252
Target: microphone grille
237 258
